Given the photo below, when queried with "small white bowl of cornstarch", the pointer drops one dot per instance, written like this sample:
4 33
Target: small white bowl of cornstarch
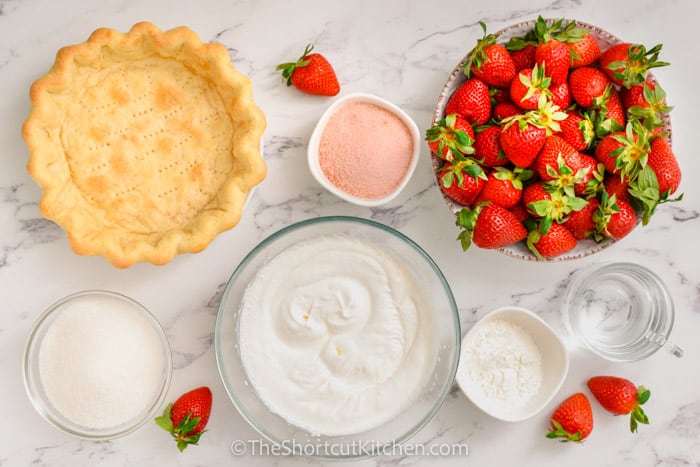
511 364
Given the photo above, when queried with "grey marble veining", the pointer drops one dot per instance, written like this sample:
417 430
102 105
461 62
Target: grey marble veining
402 50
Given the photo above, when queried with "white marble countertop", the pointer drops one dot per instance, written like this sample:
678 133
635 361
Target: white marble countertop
400 50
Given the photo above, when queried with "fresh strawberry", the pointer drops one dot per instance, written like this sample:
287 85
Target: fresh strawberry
561 95
591 172
504 187
523 136
489 226
186 419
625 152
462 180
577 131
528 86
521 140
646 102
451 137
548 159
564 168
550 240
572 420
620 396
627 64
487 146
490 62
614 218
585 51
580 223
665 165
472 101
610 117
646 191
504 110
618 186
551 205
524 57
588 86
550 52
311 74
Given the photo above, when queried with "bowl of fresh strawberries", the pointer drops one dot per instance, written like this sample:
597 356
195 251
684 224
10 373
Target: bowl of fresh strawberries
551 140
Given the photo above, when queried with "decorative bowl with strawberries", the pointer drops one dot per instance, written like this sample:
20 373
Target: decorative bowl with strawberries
551 140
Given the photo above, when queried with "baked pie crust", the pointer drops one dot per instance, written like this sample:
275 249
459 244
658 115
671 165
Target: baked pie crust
145 144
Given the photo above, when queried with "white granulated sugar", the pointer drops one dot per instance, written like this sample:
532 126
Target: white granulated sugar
502 363
101 363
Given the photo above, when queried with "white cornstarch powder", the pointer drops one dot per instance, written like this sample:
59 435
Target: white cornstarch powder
503 363
100 362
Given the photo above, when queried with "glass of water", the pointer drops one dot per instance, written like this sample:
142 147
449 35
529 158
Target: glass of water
619 311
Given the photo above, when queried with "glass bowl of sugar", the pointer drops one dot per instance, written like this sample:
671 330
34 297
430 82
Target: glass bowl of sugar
364 149
97 365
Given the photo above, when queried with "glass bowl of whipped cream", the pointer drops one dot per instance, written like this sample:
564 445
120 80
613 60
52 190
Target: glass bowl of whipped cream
337 337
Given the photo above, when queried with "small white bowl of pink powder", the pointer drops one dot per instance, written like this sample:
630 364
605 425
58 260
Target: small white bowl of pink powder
364 149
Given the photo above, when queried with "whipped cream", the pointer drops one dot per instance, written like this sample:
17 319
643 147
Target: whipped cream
335 336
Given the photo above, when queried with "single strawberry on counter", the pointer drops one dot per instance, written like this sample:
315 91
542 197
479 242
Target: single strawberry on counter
572 420
621 396
311 74
186 419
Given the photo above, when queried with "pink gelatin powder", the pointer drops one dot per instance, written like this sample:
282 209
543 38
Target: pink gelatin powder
365 150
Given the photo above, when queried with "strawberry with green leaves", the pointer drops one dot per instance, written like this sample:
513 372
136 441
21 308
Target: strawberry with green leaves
472 101
186 419
522 136
462 180
550 52
610 116
656 182
647 103
572 420
490 62
311 74
621 396
555 153
489 226
548 240
625 153
589 86
451 138
528 86
504 187
627 64
550 204
577 130
580 223
614 218
584 48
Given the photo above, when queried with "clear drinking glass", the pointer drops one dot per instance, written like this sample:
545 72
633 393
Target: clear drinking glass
619 311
